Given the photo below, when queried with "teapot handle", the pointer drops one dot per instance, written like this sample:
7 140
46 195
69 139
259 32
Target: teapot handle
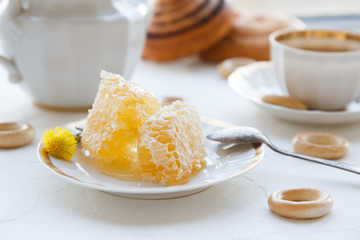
9 65
10 33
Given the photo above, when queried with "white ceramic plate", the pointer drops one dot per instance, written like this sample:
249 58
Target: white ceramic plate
223 163
257 79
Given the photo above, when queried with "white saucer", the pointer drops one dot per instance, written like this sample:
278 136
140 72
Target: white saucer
223 163
257 79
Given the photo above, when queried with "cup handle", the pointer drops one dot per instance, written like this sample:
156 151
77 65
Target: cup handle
9 65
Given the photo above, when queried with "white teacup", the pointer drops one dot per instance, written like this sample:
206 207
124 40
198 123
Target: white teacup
319 67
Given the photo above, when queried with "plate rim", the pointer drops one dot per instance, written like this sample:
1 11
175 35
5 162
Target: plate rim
46 161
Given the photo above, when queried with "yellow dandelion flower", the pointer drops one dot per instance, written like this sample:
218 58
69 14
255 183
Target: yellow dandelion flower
59 143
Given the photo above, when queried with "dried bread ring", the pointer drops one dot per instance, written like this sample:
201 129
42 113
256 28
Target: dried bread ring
249 36
15 134
170 99
302 203
321 145
285 101
226 67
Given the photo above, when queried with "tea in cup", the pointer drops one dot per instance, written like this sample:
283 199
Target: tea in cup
319 67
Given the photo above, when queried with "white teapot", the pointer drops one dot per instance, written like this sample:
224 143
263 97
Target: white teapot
55 49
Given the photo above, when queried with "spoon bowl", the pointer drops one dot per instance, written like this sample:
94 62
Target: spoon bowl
238 135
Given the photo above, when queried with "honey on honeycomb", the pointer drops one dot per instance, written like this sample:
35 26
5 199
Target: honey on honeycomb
171 146
112 127
128 135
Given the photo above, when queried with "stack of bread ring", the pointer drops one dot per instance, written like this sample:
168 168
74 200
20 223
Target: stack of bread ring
181 28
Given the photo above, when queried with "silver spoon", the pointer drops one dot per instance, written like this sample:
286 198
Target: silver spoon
240 135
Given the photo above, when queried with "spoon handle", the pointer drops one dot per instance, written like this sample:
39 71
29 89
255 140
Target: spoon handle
330 163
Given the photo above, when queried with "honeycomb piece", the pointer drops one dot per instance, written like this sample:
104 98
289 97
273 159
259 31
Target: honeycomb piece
171 147
112 127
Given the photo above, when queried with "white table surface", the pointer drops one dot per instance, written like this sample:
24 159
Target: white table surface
35 204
